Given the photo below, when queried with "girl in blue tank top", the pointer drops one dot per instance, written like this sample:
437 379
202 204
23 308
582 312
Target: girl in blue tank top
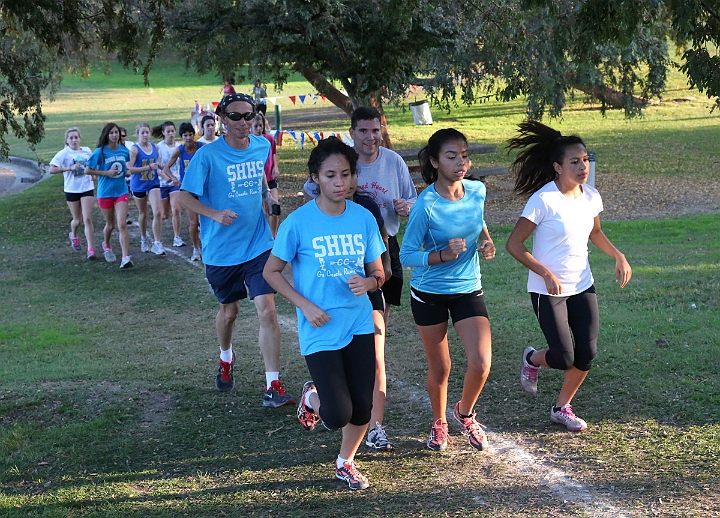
145 185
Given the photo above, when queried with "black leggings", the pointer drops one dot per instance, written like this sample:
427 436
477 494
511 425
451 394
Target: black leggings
561 316
345 379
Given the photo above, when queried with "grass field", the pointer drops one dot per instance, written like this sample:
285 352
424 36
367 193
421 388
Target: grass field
107 403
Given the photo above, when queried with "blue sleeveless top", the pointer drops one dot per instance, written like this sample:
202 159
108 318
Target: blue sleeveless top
185 158
142 182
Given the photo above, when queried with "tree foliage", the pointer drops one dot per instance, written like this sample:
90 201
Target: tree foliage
541 50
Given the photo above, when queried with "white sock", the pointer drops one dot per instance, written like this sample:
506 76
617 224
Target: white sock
270 377
307 399
340 461
226 356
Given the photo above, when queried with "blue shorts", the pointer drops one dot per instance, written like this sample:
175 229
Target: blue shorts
165 191
233 283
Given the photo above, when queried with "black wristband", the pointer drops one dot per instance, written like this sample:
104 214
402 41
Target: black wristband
441 259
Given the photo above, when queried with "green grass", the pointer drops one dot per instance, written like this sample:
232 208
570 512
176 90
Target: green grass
107 403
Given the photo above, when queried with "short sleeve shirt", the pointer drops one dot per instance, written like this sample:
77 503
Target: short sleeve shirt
325 251
105 159
226 178
74 181
560 240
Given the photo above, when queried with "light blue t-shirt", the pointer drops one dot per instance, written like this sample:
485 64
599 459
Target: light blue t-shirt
226 178
325 251
435 220
105 159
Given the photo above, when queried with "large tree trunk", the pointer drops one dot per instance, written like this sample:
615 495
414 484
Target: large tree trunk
612 97
341 100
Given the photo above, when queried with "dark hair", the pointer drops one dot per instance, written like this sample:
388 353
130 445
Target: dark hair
157 131
122 130
432 150
327 148
205 118
186 127
364 113
105 134
540 148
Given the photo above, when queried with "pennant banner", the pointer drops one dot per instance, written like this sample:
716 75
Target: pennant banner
300 137
302 98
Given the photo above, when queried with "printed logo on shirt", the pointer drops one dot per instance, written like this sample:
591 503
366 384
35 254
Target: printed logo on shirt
339 254
245 178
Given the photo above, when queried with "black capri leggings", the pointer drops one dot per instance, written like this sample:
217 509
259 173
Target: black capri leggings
561 316
345 379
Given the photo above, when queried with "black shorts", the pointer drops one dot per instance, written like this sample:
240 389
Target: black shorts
392 289
430 309
272 184
233 283
75 196
139 195
377 301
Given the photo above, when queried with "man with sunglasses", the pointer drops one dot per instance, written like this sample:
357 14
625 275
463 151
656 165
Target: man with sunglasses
225 183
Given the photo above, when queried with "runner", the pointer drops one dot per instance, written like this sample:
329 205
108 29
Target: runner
563 212
109 163
208 128
334 247
440 243
78 187
185 152
145 185
223 181
165 151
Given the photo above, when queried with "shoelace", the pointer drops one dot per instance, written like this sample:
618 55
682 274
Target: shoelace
531 373
439 433
568 411
279 388
352 470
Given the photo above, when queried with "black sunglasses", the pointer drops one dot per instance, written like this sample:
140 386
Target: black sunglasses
236 116
122 135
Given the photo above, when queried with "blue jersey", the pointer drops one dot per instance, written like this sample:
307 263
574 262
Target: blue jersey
435 220
146 180
105 159
185 158
226 178
325 251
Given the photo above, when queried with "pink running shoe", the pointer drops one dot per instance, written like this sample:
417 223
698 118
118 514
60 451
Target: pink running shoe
566 416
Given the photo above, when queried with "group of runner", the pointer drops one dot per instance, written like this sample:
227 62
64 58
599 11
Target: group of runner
347 264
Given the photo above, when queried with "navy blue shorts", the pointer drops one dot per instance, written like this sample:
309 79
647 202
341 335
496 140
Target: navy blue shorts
233 283
166 191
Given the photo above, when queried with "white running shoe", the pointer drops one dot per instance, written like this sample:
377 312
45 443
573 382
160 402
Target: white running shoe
378 439
567 417
157 248
144 245
177 241
528 373
109 254
126 262
196 255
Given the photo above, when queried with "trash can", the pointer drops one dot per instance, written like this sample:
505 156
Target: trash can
591 173
421 113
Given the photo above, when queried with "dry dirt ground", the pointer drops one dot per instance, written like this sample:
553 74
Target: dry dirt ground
624 197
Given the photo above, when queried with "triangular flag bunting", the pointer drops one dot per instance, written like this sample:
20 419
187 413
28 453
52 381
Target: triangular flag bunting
311 139
292 98
314 98
302 99
323 98
272 100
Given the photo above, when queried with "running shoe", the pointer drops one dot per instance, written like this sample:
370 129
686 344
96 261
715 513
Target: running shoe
307 417
474 430
196 255
225 381
275 395
378 439
126 262
144 245
528 373
91 254
74 242
177 241
350 473
157 248
439 436
566 416
109 254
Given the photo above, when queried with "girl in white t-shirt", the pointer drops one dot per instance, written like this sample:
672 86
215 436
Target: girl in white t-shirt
70 161
561 214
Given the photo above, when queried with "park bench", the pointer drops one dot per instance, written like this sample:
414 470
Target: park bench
411 155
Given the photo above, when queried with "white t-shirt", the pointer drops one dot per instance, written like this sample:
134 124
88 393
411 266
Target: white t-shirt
206 141
75 181
164 154
560 240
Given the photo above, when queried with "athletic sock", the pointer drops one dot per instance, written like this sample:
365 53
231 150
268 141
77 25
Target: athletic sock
226 356
306 402
527 359
340 462
556 408
270 377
